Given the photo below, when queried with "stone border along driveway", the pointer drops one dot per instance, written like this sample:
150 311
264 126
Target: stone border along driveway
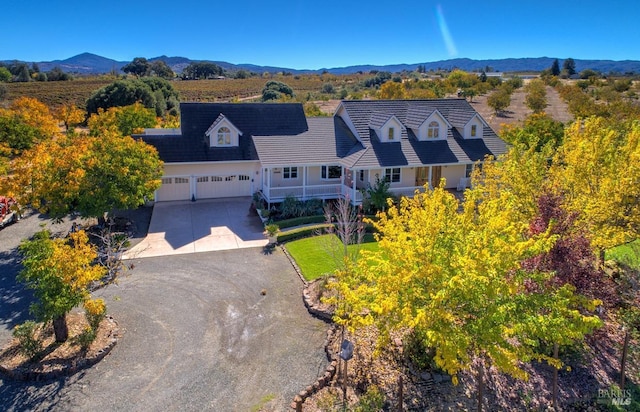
198 335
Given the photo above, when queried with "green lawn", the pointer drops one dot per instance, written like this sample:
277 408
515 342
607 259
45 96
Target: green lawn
313 254
628 254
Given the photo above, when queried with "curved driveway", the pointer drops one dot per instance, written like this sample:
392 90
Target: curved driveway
198 335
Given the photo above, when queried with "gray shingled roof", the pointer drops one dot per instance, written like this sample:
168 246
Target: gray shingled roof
328 141
286 119
280 134
409 151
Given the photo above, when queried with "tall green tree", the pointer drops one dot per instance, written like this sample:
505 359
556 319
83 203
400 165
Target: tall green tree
555 68
274 90
138 67
201 70
151 92
569 67
161 69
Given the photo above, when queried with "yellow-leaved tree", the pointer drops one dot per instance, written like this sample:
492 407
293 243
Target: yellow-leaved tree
59 271
598 171
456 275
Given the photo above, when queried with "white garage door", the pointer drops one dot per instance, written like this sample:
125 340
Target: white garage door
174 188
223 186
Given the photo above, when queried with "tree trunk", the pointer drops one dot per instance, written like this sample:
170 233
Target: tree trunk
480 384
554 400
60 328
623 361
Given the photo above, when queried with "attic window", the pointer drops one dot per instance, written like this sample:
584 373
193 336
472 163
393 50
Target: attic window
433 131
224 136
392 133
474 130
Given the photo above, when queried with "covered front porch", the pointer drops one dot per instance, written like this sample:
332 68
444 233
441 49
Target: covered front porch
333 181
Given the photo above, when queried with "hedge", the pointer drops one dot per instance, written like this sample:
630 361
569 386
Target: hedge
301 232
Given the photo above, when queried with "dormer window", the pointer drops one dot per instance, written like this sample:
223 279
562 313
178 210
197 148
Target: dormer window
433 130
224 136
474 130
222 133
392 133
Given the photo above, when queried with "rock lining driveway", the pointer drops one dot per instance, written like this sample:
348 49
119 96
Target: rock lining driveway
198 335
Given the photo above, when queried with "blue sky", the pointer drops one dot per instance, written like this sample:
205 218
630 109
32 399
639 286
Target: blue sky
305 34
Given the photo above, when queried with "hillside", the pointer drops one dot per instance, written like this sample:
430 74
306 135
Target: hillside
88 63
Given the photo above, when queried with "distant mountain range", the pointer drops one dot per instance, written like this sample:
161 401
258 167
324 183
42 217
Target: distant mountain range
88 63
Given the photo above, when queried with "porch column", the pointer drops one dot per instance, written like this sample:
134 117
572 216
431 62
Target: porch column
269 187
304 183
430 175
353 185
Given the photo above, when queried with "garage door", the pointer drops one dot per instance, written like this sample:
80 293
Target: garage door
174 188
223 186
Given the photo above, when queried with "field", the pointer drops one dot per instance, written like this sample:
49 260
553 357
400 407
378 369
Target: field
306 88
77 91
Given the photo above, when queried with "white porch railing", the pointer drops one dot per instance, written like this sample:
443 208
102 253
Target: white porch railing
406 191
278 194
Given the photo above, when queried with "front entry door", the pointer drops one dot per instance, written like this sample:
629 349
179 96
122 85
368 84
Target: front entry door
436 174
422 176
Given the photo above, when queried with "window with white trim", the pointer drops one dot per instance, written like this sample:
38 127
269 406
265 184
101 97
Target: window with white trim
392 175
289 172
224 136
392 133
468 170
433 130
331 172
474 130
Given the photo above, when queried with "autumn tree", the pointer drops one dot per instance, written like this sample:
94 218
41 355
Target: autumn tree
499 100
598 170
391 91
70 114
537 131
36 114
125 120
59 271
536 98
457 276
86 175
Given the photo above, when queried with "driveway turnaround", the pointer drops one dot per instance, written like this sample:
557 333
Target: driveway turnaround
218 331
201 226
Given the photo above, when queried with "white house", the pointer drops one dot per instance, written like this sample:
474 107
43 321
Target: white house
228 149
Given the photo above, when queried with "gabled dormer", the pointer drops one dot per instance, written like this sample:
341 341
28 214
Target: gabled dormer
469 124
387 127
222 133
428 124
474 127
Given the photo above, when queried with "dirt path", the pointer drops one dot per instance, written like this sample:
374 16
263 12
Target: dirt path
518 111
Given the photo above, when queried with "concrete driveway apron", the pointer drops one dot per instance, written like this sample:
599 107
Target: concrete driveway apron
201 226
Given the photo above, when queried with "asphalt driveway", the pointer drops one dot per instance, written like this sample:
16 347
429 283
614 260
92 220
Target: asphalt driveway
199 335
205 225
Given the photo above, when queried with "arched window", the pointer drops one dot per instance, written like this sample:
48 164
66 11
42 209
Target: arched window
224 136
434 130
